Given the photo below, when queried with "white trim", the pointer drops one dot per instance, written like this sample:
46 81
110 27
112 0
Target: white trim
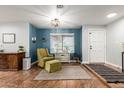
34 63
85 62
117 66
114 66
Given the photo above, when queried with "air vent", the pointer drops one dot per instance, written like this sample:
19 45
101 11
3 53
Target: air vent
59 6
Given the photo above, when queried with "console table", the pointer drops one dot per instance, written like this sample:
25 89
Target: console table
11 61
63 57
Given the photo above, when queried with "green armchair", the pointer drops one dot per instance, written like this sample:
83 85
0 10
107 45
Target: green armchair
43 56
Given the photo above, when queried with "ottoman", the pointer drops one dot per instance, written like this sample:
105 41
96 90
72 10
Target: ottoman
53 66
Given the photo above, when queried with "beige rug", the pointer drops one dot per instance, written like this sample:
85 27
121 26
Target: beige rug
67 72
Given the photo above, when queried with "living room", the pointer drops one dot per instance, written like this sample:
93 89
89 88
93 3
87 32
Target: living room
81 37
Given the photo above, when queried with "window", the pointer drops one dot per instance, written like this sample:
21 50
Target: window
62 42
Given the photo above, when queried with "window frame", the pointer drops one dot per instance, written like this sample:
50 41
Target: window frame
63 35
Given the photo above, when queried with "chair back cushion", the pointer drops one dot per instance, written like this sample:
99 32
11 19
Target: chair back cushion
42 52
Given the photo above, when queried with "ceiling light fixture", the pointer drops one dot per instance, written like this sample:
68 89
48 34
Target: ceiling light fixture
111 15
55 22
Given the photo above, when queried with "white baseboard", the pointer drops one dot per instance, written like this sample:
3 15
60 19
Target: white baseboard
113 64
84 62
117 67
34 63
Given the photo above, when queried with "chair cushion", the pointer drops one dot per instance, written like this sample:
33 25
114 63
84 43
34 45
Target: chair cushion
43 52
53 66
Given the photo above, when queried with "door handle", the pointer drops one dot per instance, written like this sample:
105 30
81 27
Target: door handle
90 46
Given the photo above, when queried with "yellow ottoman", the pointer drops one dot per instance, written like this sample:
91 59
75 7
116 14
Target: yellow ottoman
53 66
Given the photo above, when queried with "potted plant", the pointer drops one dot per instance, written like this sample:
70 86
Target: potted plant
1 48
21 49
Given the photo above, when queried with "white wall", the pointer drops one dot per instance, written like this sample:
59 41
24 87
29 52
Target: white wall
85 30
21 29
115 38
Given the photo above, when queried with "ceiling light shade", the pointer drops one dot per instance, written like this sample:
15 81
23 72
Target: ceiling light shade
111 15
55 22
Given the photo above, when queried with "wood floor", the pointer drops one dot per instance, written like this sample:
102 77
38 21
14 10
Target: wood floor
24 79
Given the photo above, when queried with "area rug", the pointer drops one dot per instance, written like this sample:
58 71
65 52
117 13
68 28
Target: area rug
66 73
109 74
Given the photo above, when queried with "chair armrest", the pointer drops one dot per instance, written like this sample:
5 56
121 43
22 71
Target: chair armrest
50 55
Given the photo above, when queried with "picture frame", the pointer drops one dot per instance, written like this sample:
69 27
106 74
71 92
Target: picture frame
9 38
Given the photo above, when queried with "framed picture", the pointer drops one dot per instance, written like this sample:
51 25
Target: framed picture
8 38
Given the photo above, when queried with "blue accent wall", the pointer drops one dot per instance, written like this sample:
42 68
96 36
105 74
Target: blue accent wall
33 46
45 33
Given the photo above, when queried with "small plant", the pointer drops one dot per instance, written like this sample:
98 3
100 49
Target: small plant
21 49
1 48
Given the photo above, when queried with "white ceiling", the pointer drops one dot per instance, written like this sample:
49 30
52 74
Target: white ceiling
71 16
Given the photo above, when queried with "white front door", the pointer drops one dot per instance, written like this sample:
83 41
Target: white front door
97 46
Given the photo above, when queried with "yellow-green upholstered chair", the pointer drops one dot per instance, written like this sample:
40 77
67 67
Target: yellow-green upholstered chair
43 56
